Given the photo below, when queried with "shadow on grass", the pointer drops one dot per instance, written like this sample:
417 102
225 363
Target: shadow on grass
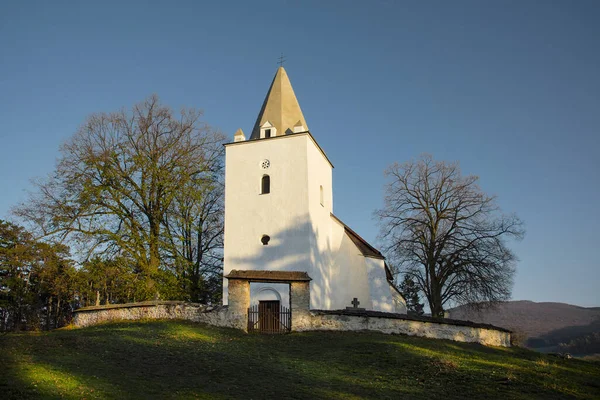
184 360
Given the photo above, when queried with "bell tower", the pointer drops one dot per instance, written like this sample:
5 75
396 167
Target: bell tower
278 191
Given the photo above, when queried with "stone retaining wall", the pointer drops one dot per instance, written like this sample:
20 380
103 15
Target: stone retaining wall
302 320
396 324
217 316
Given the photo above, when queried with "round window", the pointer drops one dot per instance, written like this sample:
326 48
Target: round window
265 239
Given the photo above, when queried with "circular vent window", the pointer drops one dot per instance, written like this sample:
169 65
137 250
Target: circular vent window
265 239
265 164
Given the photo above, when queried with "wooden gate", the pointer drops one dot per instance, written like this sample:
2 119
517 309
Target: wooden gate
269 317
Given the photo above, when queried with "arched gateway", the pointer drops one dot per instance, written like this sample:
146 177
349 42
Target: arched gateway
266 311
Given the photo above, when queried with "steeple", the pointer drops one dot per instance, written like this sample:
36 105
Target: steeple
280 109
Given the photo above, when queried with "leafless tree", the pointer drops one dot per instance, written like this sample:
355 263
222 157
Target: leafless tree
449 236
119 177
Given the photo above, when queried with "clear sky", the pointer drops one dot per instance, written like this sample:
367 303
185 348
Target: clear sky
510 89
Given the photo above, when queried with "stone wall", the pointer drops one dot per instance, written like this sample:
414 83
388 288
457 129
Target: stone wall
239 301
300 303
460 331
302 318
218 316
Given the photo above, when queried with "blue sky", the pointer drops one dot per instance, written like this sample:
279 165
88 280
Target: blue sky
510 89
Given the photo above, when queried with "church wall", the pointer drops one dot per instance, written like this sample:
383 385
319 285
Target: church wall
349 273
399 302
282 214
321 257
297 217
381 296
338 268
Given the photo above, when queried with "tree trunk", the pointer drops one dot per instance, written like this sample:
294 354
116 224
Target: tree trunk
48 313
437 311
435 302
154 260
57 317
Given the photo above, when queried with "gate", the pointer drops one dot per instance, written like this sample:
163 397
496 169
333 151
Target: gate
269 317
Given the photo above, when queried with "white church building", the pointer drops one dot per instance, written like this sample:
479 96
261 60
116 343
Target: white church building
279 216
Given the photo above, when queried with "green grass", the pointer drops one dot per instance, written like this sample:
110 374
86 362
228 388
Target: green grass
158 359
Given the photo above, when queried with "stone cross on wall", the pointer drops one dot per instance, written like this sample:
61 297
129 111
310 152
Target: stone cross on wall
355 304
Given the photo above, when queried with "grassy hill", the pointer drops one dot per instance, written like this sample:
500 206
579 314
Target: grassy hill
159 359
541 325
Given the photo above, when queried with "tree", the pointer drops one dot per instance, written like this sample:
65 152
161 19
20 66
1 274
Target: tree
35 281
17 258
194 228
106 281
447 235
410 292
119 178
53 284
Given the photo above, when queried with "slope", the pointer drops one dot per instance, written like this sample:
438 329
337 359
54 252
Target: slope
183 360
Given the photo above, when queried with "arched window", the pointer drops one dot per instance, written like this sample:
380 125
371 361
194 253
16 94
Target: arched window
265 185
321 194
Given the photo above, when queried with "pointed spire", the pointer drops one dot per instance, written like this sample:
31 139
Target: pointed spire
280 107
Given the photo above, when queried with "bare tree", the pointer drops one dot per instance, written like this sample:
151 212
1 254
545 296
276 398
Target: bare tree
194 229
445 233
119 176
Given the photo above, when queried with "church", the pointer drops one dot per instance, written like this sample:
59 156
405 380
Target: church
279 218
291 265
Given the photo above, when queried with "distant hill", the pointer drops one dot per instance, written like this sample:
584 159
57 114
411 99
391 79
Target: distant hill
543 326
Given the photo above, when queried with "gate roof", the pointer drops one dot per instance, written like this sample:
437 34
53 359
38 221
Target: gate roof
269 276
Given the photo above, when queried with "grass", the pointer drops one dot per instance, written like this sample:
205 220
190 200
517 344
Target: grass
169 360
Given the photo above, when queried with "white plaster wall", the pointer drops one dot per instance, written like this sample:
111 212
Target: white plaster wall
341 272
304 236
282 214
270 291
323 286
381 295
399 302
349 273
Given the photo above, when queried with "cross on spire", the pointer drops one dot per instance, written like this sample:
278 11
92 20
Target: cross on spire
281 60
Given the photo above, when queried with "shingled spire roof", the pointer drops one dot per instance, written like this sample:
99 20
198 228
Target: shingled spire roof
280 107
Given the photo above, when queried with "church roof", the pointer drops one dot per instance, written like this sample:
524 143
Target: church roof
365 248
280 108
